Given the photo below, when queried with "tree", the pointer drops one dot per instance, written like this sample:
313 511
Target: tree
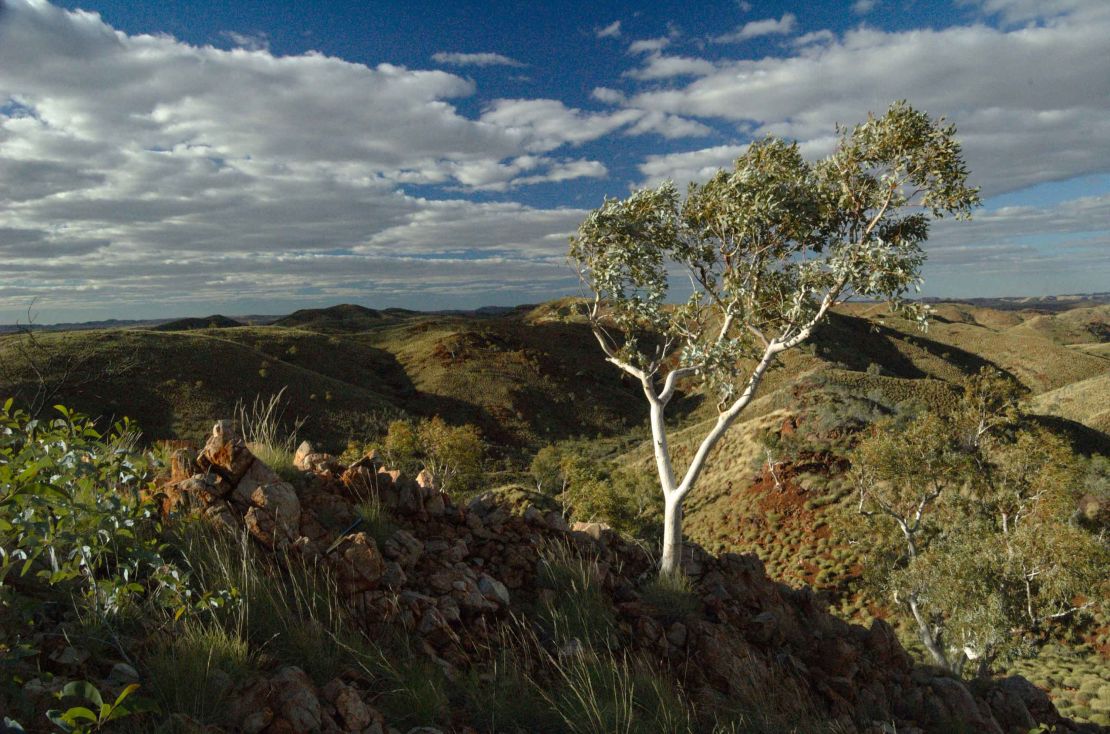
768 248
976 538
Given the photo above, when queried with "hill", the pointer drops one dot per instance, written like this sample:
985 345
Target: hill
1086 402
345 317
215 321
521 385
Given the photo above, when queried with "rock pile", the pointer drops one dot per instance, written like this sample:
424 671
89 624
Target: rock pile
449 574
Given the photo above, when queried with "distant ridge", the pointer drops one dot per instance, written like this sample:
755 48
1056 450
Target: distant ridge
344 317
215 321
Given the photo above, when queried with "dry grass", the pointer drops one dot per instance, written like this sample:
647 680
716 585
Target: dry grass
1086 402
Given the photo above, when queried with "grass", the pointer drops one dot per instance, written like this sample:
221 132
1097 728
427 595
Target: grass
376 520
193 672
263 427
576 607
671 595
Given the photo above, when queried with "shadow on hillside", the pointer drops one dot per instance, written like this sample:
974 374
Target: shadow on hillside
857 343
1083 439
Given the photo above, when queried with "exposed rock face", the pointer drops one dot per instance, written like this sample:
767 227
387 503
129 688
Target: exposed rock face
448 574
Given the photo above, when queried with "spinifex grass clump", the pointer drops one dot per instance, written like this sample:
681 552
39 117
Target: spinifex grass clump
263 428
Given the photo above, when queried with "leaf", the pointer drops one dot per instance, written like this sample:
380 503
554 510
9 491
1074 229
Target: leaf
125 693
57 719
76 713
83 689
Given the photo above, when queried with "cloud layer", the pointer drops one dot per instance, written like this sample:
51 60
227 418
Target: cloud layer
141 174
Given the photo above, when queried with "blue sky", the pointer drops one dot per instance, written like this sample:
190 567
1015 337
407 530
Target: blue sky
179 158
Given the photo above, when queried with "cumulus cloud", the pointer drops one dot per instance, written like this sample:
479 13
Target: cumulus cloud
1024 11
155 172
1038 112
756 28
474 59
863 7
613 30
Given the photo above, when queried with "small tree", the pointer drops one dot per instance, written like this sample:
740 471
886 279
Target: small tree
453 454
768 248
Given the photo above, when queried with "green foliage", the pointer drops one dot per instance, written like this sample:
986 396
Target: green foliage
548 472
93 717
73 518
599 490
453 454
770 241
976 535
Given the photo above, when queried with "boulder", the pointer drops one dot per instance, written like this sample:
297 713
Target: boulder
225 453
358 564
493 590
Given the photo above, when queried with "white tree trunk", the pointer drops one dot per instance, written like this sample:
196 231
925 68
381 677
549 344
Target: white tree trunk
672 535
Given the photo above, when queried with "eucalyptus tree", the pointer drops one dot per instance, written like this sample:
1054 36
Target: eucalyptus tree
766 249
972 528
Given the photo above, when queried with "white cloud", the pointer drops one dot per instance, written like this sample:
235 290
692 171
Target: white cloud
474 59
153 174
863 7
1039 111
658 66
756 28
607 95
649 45
546 124
1024 11
694 165
257 41
613 30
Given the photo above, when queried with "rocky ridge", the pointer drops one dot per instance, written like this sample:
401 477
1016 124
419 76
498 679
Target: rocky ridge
450 575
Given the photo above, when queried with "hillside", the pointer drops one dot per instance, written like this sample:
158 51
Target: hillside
476 618
1086 402
521 384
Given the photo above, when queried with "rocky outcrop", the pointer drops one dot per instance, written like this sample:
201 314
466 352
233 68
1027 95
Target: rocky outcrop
449 575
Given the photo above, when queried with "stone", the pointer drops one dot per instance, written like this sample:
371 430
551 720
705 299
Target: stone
226 453
123 674
676 634
304 450
222 517
593 530
435 505
358 563
404 548
493 590
427 482
350 707
295 697
280 499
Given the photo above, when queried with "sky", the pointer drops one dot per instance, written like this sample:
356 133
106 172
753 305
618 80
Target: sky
175 158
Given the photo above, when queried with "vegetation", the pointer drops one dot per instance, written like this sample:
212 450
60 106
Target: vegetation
981 547
92 577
